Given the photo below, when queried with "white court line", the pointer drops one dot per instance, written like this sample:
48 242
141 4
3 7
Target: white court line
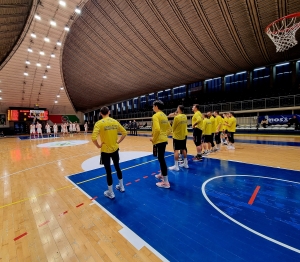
131 240
114 172
43 165
240 224
238 161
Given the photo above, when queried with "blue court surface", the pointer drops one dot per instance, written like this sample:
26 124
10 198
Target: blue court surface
206 215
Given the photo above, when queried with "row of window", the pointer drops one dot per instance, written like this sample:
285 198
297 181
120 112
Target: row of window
258 79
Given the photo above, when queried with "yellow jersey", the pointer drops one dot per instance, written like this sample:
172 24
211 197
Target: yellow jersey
108 129
207 127
218 123
161 128
225 122
179 127
232 124
197 118
213 127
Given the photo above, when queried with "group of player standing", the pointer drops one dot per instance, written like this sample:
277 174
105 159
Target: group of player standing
206 127
36 129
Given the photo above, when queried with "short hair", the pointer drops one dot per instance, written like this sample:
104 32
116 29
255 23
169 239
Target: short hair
197 106
181 107
159 104
217 111
104 110
232 113
205 115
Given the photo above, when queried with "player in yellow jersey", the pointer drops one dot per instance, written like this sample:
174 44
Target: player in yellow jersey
197 121
213 131
107 128
224 129
218 127
160 130
206 134
179 129
231 130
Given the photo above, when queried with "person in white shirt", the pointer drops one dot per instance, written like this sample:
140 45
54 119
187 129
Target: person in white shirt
64 128
32 130
74 127
71 128
48 129
85 128
78 128
55 130
39 129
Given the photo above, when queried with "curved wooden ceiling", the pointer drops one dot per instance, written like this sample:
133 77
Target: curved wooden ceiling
117 50
13 18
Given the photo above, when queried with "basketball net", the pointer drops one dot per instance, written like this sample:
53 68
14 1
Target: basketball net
282 32
35 118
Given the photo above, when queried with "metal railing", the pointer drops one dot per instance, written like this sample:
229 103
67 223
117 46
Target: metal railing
255 104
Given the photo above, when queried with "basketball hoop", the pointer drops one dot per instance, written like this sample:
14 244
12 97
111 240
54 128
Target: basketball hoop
282 31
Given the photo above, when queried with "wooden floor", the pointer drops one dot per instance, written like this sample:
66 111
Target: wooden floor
35 195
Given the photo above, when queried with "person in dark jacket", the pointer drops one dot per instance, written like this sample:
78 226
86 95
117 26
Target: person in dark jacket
294 121
134 127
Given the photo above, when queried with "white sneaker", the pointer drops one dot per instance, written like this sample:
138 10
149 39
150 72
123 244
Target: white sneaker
121 189
174 168
184 165
109 195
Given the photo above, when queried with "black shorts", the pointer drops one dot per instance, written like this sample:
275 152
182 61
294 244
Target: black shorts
207 138
231 137
179 144
197 134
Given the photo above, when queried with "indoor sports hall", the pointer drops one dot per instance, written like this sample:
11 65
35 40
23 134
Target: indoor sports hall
62 62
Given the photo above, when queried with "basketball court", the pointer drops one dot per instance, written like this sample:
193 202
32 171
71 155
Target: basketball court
61 61
53 205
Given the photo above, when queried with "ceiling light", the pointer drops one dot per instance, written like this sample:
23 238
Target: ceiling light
77 10
29 50
37 17
58 96
0 91
52 55
52 22
283 64
0 98
25 74
42 53
47 39
261 68
63 3
58 43
62 88
38 64
67 28
44 77
55 101
33 35
27 62
48 66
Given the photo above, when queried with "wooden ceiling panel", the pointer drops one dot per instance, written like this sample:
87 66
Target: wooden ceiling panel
117 50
